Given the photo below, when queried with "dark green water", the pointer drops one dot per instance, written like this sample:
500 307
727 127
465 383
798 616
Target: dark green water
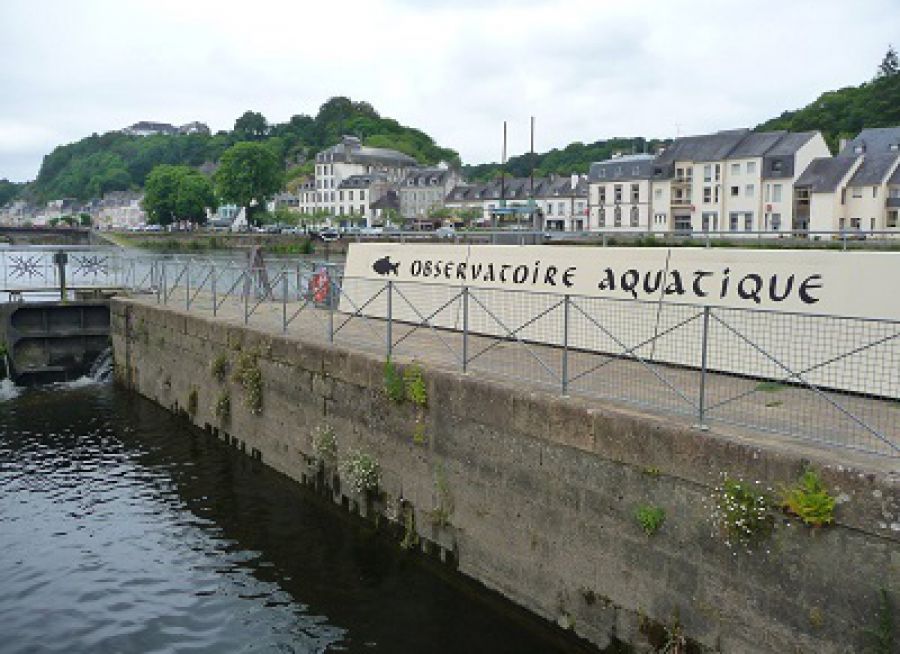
122 529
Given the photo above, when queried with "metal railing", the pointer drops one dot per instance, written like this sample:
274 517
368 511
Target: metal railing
822 379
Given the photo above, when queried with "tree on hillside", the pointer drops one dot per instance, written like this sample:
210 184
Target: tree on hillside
890 65
252 126
248 175
8 191
175 193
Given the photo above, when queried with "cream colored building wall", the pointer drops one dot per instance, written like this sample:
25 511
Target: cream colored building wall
660 205
826 211
716 204
644 206
745 175
865 208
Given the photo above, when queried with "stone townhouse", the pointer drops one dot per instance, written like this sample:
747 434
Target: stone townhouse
424 189
559 203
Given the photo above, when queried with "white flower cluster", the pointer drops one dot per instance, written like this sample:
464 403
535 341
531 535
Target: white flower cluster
741 513
361 471
324 443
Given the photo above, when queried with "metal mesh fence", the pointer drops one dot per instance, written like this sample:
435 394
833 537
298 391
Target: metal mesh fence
823 379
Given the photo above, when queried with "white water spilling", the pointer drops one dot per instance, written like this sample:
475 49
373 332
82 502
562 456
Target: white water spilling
102 368
8 390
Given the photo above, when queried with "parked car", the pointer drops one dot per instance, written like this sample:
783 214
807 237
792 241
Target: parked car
329 234
445 232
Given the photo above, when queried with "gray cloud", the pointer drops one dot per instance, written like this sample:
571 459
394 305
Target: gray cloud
588 69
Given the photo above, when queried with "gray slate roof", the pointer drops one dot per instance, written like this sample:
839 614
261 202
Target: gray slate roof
790 142
895 178
755 144
361 181
351 150
876 140
873 170
825 173
639 166
709 147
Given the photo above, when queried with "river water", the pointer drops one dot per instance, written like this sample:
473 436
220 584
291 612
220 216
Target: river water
123 529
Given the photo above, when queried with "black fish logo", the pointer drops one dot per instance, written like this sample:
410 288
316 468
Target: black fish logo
384 266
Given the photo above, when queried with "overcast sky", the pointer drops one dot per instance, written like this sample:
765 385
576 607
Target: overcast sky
587 69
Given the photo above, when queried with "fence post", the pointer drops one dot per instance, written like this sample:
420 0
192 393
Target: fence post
465 329
213 275
332 299
247 284
187 285
284 294
704 348
164 280
565 348
390 319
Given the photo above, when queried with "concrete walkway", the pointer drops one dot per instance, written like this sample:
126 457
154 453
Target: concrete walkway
832 425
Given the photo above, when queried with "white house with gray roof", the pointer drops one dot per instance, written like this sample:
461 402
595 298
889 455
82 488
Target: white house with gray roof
340 162
857 190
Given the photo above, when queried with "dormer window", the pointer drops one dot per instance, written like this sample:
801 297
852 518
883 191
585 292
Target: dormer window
859 149
776 166
895 147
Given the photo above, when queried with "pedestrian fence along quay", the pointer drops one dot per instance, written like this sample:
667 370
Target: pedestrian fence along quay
809 378
831 380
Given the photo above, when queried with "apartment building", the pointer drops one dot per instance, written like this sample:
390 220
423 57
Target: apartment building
735 181
620 192
554 203
857 190
424 189
347 159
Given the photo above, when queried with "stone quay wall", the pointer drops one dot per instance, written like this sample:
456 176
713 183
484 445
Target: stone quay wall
535 495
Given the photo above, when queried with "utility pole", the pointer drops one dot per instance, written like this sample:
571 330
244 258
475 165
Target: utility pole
502 177
531 182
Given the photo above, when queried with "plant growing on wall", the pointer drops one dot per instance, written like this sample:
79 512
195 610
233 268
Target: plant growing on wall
394 385
361 471
882 637
222 407
809 500
741 512
650 518
443 509
219 367
192 402
324 444
414 382
249 376
410 535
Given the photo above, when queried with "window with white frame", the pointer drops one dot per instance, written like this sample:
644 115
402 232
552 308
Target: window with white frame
857 192
775 222
749 190
748 221
776 192
617 216
751 167
735 191
733 220
635 216
707 173
707 195
735 169
657 193
891 219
